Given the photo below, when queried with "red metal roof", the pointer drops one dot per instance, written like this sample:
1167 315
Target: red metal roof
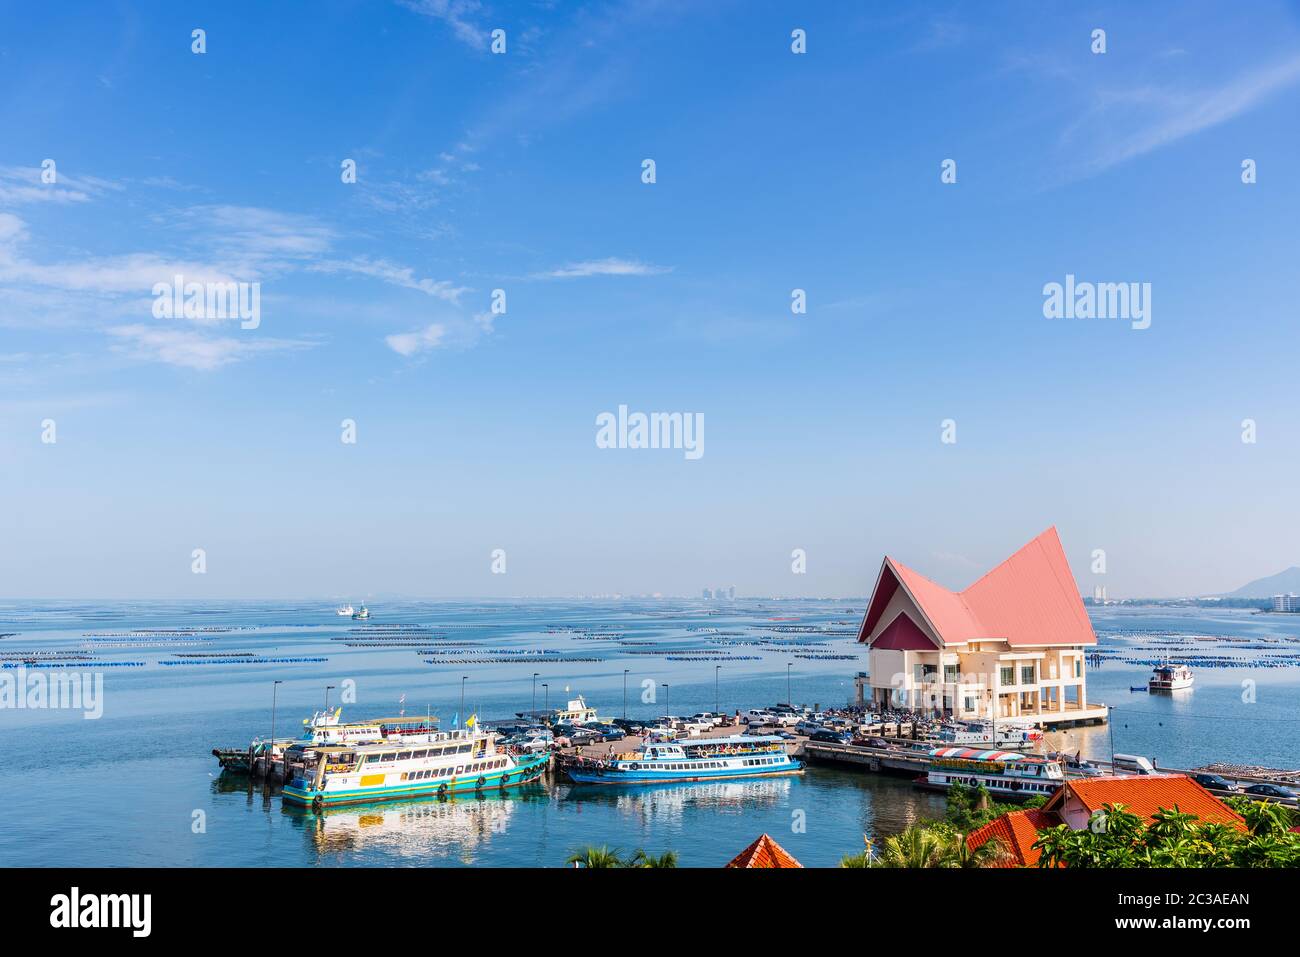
764 852
1145 794
1017 830
1030 599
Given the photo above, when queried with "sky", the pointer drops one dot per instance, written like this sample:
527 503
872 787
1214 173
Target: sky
130 440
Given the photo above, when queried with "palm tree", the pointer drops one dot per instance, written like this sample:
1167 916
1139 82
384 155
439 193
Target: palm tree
642 859
989 854
916 847
595 857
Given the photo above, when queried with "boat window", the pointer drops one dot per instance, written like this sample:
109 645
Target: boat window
390 756
419 754
463 749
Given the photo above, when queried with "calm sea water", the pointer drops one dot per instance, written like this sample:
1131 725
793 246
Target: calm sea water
133 787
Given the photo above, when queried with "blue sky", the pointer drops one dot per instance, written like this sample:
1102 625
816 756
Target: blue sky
522 172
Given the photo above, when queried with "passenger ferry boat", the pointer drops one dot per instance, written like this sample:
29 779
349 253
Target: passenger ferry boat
344 611
699 759
361 614
989 734
1170 677
1002 773
410 761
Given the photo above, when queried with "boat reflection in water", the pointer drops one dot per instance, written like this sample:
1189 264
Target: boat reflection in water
449 829
667 803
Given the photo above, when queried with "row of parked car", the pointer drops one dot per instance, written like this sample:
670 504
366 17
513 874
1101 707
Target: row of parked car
816 726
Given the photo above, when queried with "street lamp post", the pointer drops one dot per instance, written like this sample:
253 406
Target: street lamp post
328 689
789 699
532 709
665 701
625 694
546 697
275 687
461 714
717 670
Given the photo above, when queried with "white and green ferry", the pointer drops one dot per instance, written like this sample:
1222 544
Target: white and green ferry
426 763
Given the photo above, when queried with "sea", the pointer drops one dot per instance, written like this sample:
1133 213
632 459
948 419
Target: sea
137 785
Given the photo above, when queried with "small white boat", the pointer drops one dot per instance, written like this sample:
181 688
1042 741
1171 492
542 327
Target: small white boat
1170 677
361 614
344 611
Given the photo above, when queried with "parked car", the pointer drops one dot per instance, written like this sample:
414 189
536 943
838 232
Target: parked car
808 728
1214 782
630 725
872 742
756 728
531 745
1270 791
757 716
832 737
1133 764
608 732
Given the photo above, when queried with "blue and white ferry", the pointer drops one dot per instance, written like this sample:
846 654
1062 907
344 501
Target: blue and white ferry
698 759
410 760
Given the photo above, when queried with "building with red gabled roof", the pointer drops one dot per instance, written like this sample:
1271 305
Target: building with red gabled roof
764 852
1017 831
1078 799
1010 646
1142 794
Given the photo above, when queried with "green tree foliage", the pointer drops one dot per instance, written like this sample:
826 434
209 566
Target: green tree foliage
604 857
1174 839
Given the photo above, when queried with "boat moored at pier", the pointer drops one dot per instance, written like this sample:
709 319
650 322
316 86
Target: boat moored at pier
700 759
1007 774
419 763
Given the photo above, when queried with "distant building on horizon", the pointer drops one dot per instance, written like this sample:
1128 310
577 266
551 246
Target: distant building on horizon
1012 645
1287 603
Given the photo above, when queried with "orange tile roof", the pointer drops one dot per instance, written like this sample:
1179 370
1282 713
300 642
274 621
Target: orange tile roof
1029 599
1144 794
1017 830
764 852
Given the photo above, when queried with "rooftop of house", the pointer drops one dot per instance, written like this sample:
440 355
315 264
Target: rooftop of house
764 852
1031 599
1144 794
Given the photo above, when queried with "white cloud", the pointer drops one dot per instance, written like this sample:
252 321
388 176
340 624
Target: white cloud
603 267
22 184
191 349
444 334
412 343
394 274
1180 115
457 14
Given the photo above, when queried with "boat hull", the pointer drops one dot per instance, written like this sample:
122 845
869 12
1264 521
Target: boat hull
525 771
622 777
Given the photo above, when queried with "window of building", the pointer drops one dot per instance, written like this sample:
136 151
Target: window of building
1008 674
1026 674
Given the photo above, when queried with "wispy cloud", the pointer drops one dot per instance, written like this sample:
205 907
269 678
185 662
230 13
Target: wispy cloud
1180 115
460 15
442 334
23 184
603 267
191 349
394 274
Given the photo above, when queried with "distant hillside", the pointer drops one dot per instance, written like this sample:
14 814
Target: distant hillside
1283 583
